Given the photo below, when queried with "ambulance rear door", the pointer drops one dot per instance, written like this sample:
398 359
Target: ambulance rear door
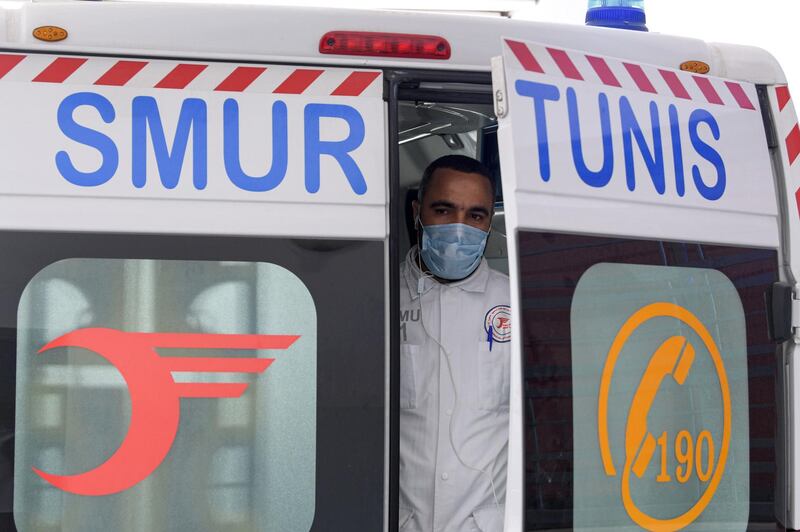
785 146
193 295
643 231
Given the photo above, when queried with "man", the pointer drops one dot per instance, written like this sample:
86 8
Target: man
454 358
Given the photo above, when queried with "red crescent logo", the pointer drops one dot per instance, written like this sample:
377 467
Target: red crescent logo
155 396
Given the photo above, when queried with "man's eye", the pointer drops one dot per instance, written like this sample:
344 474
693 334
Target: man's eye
477 217
440 211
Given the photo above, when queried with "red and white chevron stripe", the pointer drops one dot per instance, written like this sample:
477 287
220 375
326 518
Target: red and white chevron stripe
792 137
624 74
788 131
158 74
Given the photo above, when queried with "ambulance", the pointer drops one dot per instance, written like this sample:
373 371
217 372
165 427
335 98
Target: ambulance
204 208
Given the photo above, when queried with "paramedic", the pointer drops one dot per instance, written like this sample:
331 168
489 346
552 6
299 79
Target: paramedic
454 358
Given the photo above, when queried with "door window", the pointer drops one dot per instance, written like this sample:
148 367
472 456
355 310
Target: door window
666 403
650 384
193 383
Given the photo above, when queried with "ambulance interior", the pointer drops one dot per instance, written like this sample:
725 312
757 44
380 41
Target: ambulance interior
428 131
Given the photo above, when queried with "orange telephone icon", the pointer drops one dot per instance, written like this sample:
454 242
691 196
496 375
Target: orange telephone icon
674 357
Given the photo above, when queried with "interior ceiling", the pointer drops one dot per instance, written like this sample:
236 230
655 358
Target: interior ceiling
422 119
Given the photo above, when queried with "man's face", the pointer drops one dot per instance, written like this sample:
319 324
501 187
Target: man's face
456 197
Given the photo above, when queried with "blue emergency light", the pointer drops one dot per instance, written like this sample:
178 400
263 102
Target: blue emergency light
620 14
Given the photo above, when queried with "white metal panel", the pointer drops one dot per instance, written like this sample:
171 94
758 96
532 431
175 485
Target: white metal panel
556 213
292 34
747 63
116 215
635 150
190 147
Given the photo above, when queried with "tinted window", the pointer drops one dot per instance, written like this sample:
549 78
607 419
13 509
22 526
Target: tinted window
301 444
602 309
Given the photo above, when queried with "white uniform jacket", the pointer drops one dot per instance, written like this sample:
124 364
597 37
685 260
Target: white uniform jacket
470 318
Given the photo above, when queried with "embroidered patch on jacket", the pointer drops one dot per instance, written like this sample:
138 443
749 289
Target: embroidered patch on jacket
499 320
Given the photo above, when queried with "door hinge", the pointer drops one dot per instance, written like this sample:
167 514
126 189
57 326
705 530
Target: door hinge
499 93
783 313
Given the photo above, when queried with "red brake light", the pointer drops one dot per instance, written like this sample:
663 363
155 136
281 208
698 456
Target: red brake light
384 44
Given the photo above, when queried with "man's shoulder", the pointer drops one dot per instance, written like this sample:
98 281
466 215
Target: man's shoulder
498 282
495 274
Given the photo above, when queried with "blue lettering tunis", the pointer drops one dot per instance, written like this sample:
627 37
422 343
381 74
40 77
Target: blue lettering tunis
599 178
630 131
715 192
677 150
540 93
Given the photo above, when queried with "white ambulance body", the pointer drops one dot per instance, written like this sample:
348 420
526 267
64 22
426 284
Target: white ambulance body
203 209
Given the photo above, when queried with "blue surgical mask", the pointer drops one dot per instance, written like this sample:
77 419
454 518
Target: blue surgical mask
452 251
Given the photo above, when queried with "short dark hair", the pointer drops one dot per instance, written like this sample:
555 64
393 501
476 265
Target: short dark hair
459 163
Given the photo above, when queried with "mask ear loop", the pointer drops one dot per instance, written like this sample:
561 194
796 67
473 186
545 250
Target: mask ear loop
423 274
443 352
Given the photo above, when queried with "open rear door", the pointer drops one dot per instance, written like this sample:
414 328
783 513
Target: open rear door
643 236
177 345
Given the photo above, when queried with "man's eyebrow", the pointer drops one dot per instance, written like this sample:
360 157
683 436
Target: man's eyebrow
479 209
442 203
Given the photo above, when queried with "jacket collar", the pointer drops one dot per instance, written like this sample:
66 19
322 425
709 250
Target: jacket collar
476 282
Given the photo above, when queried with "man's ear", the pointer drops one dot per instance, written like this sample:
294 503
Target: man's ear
415 207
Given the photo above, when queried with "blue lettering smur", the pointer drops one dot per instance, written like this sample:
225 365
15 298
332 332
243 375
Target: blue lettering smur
90 137
231 152
192 118
340 150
